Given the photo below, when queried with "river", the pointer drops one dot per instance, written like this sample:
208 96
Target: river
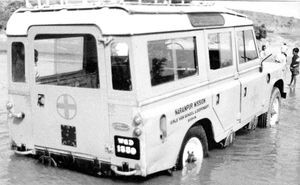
263 156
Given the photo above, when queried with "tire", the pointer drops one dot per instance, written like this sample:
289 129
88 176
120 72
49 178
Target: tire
196 136
271 117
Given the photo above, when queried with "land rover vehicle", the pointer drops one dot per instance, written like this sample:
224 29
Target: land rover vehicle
134 88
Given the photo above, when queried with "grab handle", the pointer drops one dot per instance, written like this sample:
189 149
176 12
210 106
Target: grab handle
28 152
20 115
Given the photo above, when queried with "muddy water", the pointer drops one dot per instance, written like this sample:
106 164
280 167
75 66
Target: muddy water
263 156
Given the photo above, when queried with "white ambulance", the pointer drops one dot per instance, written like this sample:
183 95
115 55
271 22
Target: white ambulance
134 88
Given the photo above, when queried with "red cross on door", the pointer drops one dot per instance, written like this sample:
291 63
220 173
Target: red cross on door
66 106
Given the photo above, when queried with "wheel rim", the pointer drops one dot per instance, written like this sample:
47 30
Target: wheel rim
274 112
192 148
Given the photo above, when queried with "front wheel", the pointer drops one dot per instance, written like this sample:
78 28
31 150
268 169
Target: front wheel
193 149
271 117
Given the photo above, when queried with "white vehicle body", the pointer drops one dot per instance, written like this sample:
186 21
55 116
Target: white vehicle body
150 117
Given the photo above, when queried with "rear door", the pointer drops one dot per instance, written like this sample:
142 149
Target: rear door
223 79
68 96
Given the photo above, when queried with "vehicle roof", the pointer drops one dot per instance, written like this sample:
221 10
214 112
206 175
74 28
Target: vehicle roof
118 19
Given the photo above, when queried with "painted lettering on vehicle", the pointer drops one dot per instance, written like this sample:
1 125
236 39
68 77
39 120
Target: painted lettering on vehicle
189 106
190 113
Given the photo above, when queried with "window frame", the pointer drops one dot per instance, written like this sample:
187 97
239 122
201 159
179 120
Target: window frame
111 65
147 93
83 36
114 93
225 72
18 87
67 29
231 50
175 59
252 64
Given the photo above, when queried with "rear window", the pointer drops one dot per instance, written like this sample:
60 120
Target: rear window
66 60
18 62
172 59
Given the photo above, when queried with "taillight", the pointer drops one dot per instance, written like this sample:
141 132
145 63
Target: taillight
137 132
138 120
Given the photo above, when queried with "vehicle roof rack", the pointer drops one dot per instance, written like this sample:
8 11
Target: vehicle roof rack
68 3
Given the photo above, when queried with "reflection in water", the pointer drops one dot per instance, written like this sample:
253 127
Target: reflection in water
292 92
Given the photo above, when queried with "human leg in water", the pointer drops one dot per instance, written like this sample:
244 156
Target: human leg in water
292 80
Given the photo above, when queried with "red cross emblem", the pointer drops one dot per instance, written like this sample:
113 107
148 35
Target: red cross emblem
66 106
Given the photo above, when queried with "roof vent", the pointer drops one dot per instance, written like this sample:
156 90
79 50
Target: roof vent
206 19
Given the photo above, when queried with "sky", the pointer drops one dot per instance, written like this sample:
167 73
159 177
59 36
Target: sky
289 9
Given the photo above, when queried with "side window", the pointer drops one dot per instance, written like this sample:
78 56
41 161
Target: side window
172 59
120 67
66 60
18 62
220 50
246 46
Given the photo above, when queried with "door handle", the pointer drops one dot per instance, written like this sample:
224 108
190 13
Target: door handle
41 100
245 91
217 99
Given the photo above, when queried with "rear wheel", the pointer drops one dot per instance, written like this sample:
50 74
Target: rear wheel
193 149
271 117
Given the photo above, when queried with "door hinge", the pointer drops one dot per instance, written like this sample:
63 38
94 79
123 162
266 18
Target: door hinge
238 117
105 40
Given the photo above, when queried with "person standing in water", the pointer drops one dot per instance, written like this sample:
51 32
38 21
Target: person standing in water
294 67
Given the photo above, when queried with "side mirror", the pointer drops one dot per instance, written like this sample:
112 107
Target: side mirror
261 63
261 68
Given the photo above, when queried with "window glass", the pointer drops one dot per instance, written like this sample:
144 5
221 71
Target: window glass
220 50
18 62
161 64
241 47
246 46
206 19
66 60
172 59
120 67
250 45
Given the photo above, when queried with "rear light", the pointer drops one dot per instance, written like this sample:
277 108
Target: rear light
127 147
138 120
137 132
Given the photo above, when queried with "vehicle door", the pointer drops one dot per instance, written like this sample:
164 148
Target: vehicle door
68 90
251 79
18 90
223 76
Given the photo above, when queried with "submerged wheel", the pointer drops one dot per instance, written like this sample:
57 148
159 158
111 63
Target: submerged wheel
193 149
271 117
